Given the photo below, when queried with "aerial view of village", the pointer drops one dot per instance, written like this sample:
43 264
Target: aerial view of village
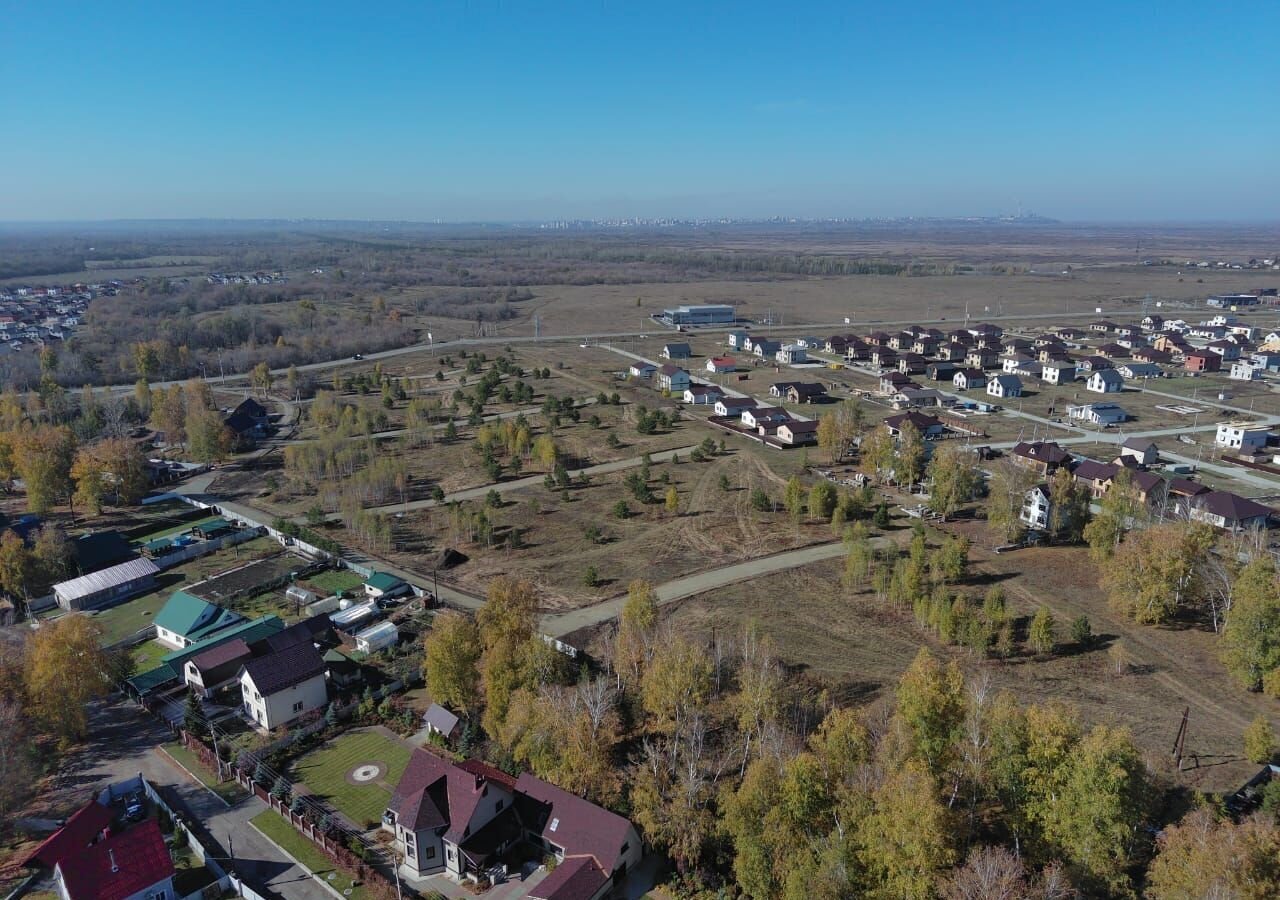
630 532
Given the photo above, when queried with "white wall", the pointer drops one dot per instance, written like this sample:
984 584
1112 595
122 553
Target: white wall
277 709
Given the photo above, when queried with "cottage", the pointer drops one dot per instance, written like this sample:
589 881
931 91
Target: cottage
1105 381
673 379
1244 371
114 861
1228 350
892 382
796 432
765 417
766 349
969 379
676 351
1152 355
1095 476
928 426
1140 370
1113 351
1036 506
837 343
884 358
911 364
953 352
248 421
925 345
721 365
1152 322
1094 364
283 686
460 818
1058 373
1012 362
806 393
1005 386
1103 414
1267 360
878 339
1223 509
1244 437
981 358
911 397
642 370
1102 326
185 619
1142 450
702 395
940 371
733 406
737 340
791 354
1043 457
1202 361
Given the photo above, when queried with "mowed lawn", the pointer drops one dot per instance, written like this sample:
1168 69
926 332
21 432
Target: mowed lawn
324 772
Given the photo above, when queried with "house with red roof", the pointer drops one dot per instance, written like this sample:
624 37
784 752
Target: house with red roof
460 818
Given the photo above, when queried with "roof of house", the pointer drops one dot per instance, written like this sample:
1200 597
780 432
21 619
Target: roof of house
571 822
1092 470
251 407
642 365
284 668
670 370
800 426
920 421
240 422
120 866
224 654
1006 380
575 878
433 793
676 348
1108 376
738 402
1041 451
1138 443
182 611
1231 506
80 829
1186 487
97 551
213 526
440 718
1146 482
312 630
703 390
488 772
382 581
104 579
807 389
723 360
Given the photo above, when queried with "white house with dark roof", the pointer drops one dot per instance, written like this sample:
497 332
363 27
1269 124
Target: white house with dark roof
282 686
1105 381
1005 386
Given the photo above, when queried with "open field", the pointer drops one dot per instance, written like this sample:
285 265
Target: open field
327 773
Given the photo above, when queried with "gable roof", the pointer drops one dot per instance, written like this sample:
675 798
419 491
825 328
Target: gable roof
576 878
433 792
120 866
383 581
440 718
1092 470
80 829
316 629
221 655
569 821
920 421
182 611
87 585
1231 506
738 402
1141 444
1108 376
274 672
670 370
251 407
240 422
677 348
1041 451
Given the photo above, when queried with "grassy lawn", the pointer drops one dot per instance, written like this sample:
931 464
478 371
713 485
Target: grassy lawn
146 656
333 580
324 772
119 622
308 855
227 790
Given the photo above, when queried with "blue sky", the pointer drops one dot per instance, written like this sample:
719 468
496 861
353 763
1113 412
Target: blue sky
500 111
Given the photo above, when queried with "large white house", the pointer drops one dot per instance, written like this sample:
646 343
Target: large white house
1105 381
282 686
1005 386
1243 436
1035 508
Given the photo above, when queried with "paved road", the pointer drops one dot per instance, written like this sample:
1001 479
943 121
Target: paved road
124 745
560 624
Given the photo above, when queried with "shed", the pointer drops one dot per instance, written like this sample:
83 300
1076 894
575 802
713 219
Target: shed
382 584
106 586
439 720
377 637
212 528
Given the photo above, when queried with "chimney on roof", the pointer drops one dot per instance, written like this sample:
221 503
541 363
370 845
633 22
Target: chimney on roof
111 854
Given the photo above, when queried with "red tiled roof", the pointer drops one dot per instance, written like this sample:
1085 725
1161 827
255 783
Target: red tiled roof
484 770
120 866
220 655
79 831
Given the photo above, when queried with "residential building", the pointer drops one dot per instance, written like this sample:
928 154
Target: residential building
806 393
1202 361
120 863
1152 355
1094 364
676 351
1005 386
1105 381
1222 509
702 395
673 378
1140 370
928 426
438 720
1152 322
1012 362
795 432
1244 371
721 365
733 406
940 371
1102 326
737 340
791 354
1113 351
1043 457
1228 350
642 370
1058 373
1142 450
884 358
1244 437
1036 508
1104 414
911 364
765 417
981 358
892 382
969 379
461 818
283 686
766 349
185 619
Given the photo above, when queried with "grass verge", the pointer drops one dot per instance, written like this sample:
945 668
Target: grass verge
307 854
227 790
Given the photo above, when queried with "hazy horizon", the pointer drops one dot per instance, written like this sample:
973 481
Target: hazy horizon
488 114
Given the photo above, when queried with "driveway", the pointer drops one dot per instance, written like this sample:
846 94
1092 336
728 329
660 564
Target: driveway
124 745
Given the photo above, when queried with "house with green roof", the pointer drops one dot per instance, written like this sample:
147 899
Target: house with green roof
172 665
186 619
381 584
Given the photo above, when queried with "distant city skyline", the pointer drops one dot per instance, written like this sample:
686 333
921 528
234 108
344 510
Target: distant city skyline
484 112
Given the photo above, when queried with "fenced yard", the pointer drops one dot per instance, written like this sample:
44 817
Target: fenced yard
355 773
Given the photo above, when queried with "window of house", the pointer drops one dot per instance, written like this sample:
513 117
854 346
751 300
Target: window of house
498 806
430 854
297 707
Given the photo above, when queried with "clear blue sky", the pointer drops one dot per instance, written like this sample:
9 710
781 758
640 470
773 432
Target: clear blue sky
539 110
